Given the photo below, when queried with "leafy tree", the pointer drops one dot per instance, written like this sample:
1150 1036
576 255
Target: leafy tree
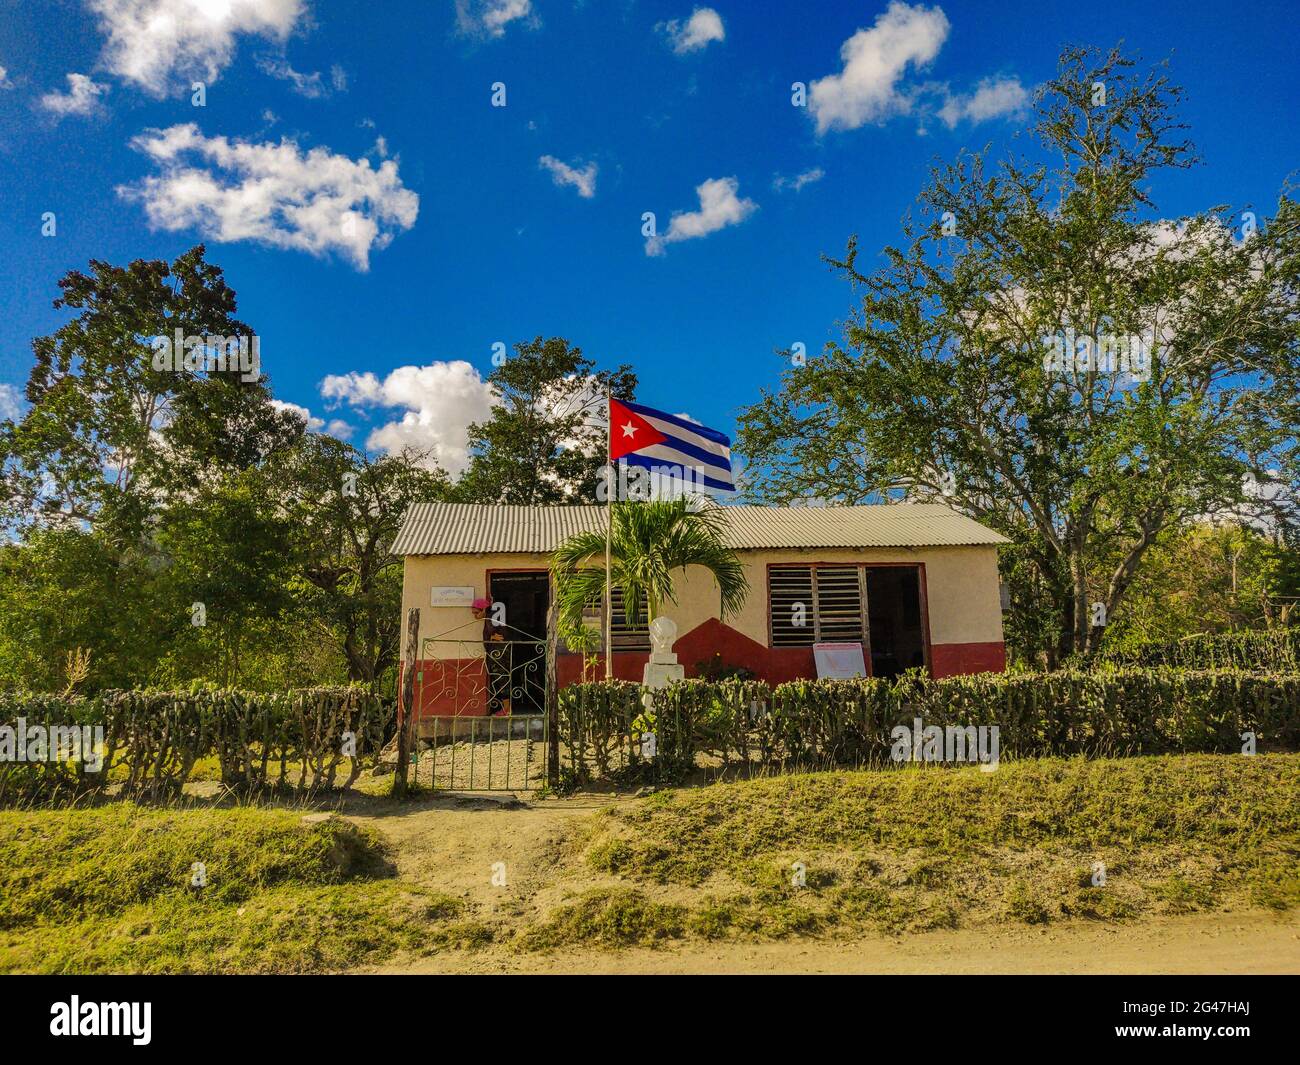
955 380
68 588
650 542
347 509
140 491
230 556
106 432
545 440
1207 578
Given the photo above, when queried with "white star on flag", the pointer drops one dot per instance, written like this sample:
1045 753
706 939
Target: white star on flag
629 429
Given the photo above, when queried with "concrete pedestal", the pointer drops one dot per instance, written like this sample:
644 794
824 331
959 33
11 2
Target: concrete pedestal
661 674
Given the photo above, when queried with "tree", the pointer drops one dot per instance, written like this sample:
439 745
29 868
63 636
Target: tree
650 542
139 491
1051 357
69 588
107 432
346 509
230 555
1207 578
545 440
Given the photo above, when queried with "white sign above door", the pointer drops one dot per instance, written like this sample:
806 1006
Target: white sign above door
452 597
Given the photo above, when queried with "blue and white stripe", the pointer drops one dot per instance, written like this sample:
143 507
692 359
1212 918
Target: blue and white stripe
704 451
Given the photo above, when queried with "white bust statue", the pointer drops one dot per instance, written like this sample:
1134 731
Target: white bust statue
663 634
663 667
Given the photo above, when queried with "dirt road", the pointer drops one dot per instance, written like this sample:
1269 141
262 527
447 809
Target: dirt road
1250 943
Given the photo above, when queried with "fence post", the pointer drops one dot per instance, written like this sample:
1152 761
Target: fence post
406 726
552 700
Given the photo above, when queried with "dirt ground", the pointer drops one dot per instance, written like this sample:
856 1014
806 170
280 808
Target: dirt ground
1213 943
517 763
455 844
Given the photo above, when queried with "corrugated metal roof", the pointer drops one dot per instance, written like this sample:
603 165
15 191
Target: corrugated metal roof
473 528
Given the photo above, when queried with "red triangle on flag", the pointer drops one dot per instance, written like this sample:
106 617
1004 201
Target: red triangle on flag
629 432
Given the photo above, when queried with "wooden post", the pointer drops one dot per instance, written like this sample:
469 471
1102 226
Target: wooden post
552 698
406 708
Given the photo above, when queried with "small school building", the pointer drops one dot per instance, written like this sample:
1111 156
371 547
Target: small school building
915 584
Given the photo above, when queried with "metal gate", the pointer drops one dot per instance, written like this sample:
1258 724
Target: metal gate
482 724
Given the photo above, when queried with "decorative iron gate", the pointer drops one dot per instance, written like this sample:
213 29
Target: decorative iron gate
482 723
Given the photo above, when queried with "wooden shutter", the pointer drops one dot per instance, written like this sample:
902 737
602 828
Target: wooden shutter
790 599
839 604
626 637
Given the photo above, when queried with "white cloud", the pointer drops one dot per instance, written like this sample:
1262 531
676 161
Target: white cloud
11 402
308 85
799 180
313 423
719 207
491 17
696 32
5 83
583 180
339 78
335 427
875 59
439 402
992 98
275 194
82 98
163 45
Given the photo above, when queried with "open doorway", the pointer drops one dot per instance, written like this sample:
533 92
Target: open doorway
896 619
525 597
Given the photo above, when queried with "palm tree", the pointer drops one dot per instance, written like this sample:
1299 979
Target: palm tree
650 542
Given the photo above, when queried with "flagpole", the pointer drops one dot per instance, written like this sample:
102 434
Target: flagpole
609 537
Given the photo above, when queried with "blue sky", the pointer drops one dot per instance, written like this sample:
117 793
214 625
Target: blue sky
664 107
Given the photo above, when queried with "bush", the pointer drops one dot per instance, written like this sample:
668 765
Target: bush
1269 649
152 739
838 722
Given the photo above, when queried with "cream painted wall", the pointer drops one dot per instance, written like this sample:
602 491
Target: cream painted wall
961 585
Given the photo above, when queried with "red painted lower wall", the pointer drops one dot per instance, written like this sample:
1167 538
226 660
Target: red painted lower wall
953 659
455 686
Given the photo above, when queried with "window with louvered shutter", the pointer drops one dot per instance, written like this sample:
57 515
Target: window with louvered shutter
790 601
828 600
624 636
839 603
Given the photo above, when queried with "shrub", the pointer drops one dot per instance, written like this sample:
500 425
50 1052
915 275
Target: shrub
1268 649
838 722
152 739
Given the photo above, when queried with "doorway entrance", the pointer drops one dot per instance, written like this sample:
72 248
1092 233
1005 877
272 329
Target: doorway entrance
525 597
895 619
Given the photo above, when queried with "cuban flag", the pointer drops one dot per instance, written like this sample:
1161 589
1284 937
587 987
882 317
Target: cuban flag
643 436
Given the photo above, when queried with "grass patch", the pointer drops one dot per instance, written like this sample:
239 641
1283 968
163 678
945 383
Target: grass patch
621 918
110 890
928 847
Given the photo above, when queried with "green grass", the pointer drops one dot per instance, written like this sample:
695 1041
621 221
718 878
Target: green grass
109 890
927 847
608 918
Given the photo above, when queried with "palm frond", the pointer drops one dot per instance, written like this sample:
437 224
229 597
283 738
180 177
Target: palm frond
650 542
